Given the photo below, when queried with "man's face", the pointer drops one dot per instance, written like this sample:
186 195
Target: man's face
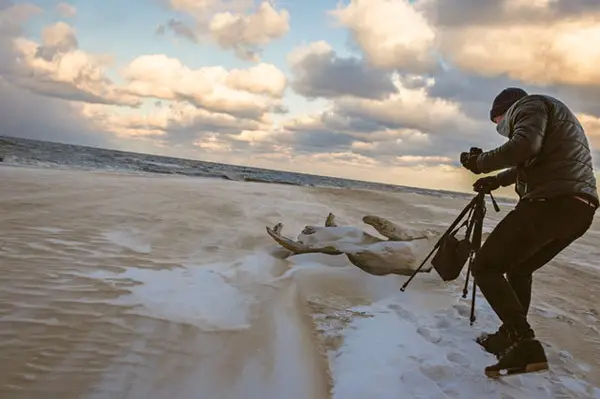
498 118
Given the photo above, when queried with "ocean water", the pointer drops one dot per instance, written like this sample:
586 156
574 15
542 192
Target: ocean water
26 152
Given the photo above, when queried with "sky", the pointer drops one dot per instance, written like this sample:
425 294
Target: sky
380 90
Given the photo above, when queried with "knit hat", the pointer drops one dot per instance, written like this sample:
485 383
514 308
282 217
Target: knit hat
505 100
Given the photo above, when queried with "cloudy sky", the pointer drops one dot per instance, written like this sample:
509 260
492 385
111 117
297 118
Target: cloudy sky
381 90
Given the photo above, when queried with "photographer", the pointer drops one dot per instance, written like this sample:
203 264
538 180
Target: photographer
547 157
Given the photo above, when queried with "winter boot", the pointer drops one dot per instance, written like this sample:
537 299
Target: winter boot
497 342
525 356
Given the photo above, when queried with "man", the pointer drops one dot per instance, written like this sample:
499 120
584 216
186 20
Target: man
548 158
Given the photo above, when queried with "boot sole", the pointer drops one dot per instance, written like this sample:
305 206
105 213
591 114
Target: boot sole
530 368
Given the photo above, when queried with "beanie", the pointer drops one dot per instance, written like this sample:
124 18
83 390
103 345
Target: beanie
505 100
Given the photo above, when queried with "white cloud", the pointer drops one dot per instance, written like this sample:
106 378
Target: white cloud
246 34
212 88
12 16
409 107
58 38
192 6
260 79
66 10
233 25
520 5
56 67
201 9
177 122
423 160
552 48
556 52
392 33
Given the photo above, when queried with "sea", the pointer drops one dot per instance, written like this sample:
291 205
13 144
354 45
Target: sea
46 154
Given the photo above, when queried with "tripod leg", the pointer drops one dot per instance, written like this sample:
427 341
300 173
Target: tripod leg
478 215
470 235
472 318
419 268
466 287
452 226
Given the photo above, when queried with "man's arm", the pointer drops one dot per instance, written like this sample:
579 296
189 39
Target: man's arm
530 120
507 177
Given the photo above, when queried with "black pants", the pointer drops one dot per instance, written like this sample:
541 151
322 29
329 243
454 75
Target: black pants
525 240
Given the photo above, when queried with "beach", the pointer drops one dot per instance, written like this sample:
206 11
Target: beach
120 285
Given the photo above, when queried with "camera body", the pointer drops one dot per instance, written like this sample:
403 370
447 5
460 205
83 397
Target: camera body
475 151
466 156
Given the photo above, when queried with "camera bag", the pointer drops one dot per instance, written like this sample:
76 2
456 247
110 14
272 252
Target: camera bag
451 256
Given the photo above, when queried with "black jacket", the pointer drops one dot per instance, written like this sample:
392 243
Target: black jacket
548 154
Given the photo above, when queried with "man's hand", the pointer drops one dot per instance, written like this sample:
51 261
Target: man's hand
469 160
486 184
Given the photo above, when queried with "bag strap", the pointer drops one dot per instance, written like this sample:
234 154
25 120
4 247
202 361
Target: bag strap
465 223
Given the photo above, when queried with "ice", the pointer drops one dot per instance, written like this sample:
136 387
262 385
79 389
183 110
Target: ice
195 295
114 285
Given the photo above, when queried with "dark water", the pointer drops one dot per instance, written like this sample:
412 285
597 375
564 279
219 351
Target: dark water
25 152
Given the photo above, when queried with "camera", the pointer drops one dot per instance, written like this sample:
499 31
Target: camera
465 156
475 151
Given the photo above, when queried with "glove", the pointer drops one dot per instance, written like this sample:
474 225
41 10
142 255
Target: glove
469 160
486 184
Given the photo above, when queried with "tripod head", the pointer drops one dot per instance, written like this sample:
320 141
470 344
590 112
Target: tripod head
481 193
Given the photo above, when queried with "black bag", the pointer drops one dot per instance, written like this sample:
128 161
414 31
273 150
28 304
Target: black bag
451 256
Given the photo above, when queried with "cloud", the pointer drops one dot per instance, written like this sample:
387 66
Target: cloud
66 10
241 93
557 52
12 15
176 122
179 28
392 33
260 79
58 68
415 160
411 108
246 34
464 52
455 13
193 104
25 114
539 42
232 25
319 72
201 9
58 38
409 127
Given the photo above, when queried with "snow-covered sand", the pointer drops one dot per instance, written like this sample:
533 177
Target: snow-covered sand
166 287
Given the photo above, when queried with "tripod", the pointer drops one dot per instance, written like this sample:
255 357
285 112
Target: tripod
474 222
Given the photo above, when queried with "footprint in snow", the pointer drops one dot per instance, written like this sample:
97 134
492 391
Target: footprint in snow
462 309
402 313
458 359
429 334
438 372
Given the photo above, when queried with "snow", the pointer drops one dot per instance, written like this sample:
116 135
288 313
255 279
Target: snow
170 287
